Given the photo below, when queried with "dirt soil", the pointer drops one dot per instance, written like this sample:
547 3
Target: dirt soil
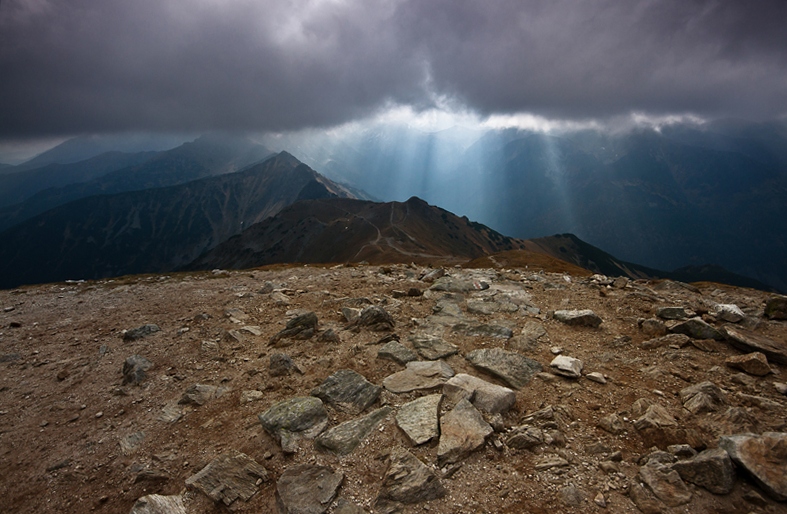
64 410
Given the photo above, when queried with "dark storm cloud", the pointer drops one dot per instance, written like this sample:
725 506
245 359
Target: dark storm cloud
86 65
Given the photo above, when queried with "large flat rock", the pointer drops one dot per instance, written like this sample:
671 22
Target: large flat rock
289 420
764 457
229 477
408 481
748 341
419 419
462 431
419 375
158 504
485 396
344 438
347 390
514 369
307 489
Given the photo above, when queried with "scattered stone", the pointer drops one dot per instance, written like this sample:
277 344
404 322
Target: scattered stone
158 504
229 477
652 327
776 308
728 312
418 419
462 431
453 285
600 500
200 394
279 298
251 396
347 390
432 347
644 499
612 424
373 318
10 357
170 413
571 496
514 369
300 327
419 375
433 275
329 336
134 369
140 332
672 313
351 314
710 469
549 462
665 483
567 366
252 329
581 318
307 489
525 437
764 457
483 395
682 451
696 328
755 363
345 507
344 438
281 365
780 387
672 340
597 377
236 315
748 341
289 420
533 331
407 481
131 442
212 349
397 352
483 330
703 397
488 306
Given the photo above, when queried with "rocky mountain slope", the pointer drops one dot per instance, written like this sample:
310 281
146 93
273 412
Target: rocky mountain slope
154 230
353 389
343 230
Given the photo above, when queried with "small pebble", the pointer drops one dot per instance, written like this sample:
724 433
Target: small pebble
99 414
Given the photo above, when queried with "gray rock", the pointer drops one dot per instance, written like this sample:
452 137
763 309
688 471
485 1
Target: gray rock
711 469
281 365
679 340
703 397
581 318
483 330
665 483
597 377
453 285
419 375
432 347
307 489
329 336
448 306
755 363
250 396
462 431
549 462
748 341
652 327
134 369
525 437
158 504
345 507
373 318
347 390
682 451
200 394
140 332
487 306
655 416
764 457
229 477
433 275
567 366
571 496
483 395
351 314
407 481
696 328
300 327
397 352
289 420
612 424
344 438
131 443
533 331
644 499
418 419
728 312
514 369
776 308
672 313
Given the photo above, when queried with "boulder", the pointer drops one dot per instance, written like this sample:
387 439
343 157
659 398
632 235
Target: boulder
462 431
748 341
776 308
728 312
307 489
703 397
407 480
711 469
665 483
582 318
419 419
289 420
344 438
483 395
281 365
755 363
514 369
373 318
764 457
300 327
229 477
672 313
419 375
347 390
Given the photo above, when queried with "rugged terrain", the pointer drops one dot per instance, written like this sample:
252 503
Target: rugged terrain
78 435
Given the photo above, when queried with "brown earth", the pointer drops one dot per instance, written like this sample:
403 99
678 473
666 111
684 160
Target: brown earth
63 410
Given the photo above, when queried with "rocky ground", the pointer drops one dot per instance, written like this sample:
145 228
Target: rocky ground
383 389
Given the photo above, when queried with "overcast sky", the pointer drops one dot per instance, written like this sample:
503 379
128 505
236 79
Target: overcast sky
76 66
